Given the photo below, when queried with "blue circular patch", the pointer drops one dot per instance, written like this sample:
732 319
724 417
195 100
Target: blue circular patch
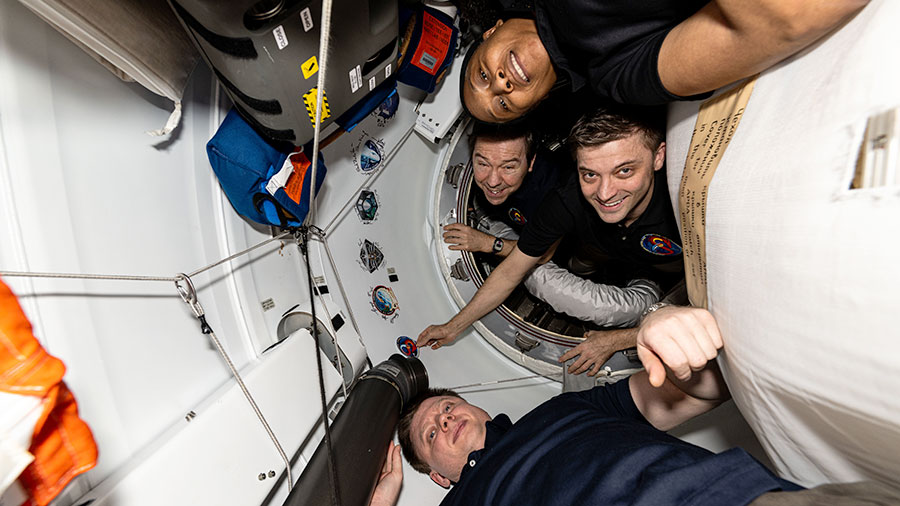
384 300
659 245
407 346
516 216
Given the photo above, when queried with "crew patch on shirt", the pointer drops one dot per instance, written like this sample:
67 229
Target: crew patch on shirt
516 216
659 245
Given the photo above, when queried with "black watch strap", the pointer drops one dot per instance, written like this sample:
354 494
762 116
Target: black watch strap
498 245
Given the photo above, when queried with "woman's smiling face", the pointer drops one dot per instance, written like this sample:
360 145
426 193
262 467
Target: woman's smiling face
509 73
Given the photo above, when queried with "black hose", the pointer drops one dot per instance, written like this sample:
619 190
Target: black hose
360 435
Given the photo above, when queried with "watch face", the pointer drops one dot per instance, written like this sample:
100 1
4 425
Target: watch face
498 245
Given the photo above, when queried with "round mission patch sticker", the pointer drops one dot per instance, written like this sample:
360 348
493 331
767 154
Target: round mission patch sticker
384 300
659 245
407 346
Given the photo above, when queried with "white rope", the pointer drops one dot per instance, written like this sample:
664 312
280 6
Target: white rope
324 39
259 414
248 250
66 275
132 277
185 288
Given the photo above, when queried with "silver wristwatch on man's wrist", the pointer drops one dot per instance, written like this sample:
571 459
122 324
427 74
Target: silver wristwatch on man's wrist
653 307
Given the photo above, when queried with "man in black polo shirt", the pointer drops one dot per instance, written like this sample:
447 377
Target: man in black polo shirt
512 176
618 208
648 52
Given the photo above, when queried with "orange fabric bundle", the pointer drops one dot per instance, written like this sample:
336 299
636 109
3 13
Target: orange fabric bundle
62 444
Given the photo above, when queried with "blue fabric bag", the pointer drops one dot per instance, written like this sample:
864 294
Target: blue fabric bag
262 183
429 51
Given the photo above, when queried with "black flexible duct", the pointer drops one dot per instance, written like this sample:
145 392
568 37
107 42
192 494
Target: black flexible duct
361 433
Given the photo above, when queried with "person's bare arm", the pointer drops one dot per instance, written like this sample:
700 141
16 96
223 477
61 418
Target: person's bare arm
728 40
676 346
508 246
496 288
597 347
465 238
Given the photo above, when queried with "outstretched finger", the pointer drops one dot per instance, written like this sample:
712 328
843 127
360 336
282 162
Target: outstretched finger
653 365
396 460
569 354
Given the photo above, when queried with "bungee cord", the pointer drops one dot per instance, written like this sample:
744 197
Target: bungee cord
324 40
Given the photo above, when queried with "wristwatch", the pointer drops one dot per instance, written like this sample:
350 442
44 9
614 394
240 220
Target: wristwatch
653 307
498 245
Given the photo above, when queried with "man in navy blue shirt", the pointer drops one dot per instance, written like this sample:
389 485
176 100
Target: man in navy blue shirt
603 446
